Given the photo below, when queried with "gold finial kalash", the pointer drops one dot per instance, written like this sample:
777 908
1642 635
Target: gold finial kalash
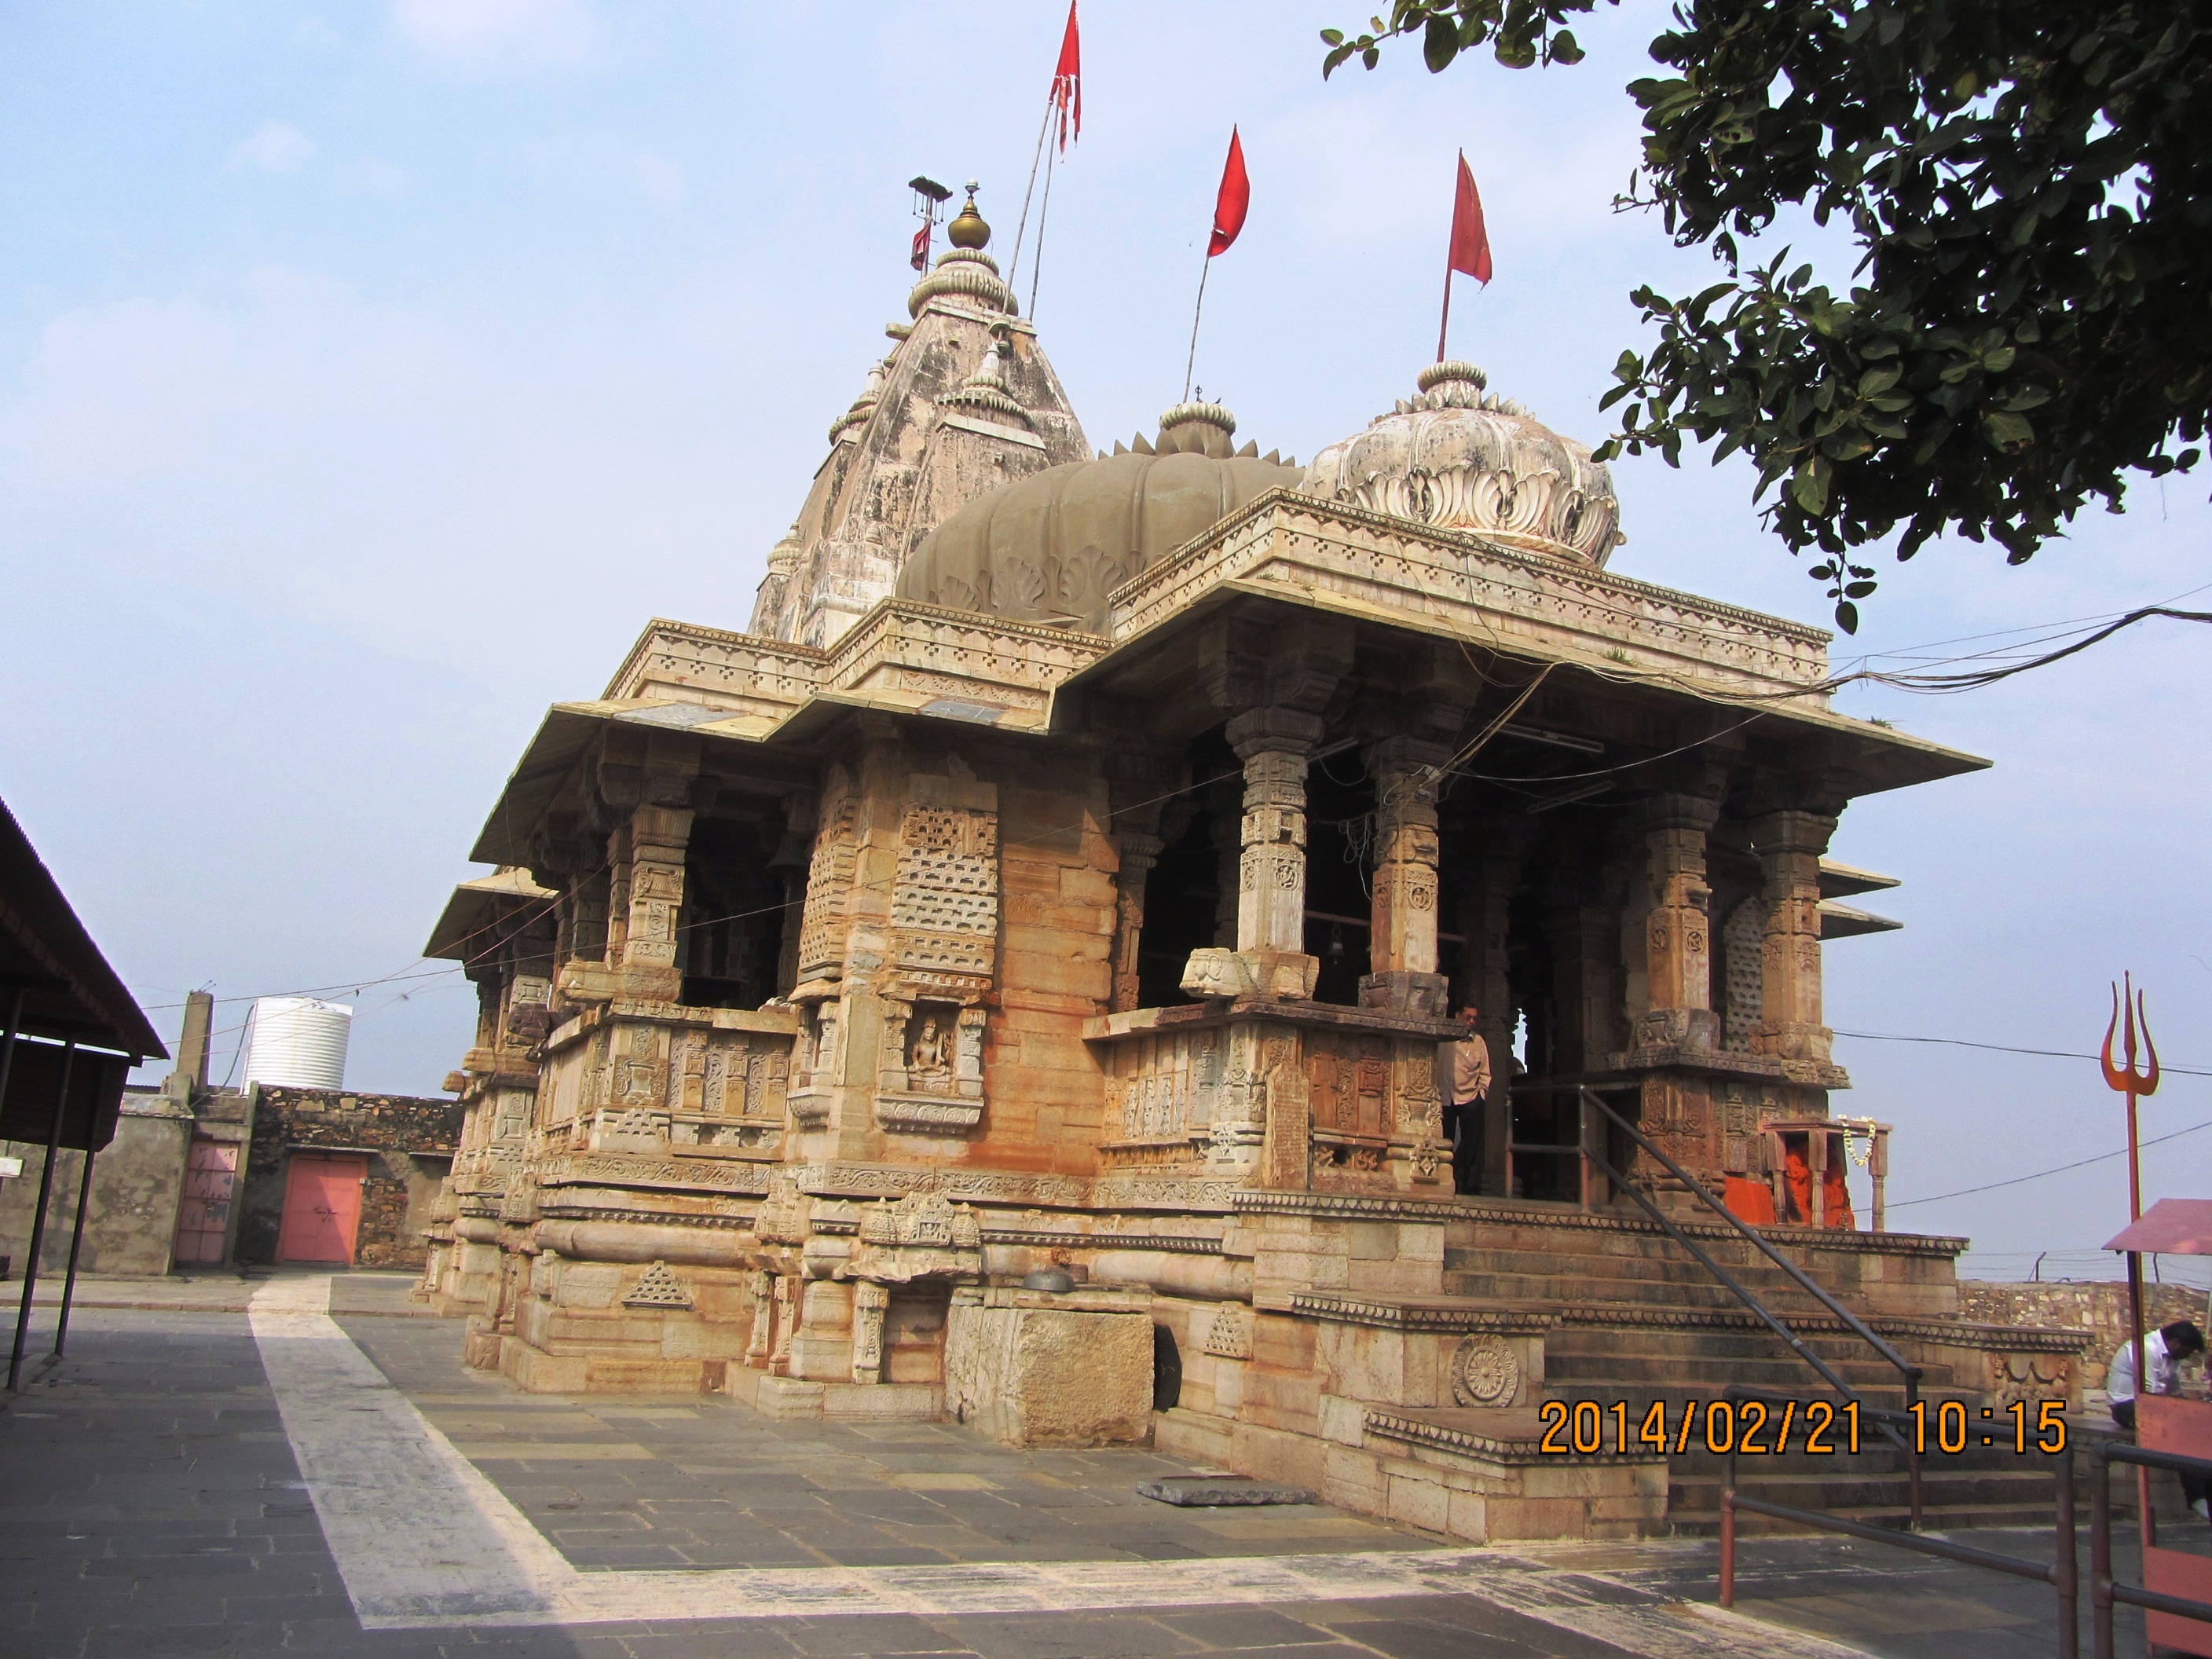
968 228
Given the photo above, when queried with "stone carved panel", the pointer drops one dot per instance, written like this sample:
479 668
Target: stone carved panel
659 1287
1229 1333
945 900
1164 1091
828 886
869 1302
730 1074
1484 1371
922 1234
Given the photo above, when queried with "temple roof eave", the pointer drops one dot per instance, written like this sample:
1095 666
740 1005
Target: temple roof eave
477 904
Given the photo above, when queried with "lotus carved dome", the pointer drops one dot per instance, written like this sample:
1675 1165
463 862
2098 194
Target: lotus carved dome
1457 457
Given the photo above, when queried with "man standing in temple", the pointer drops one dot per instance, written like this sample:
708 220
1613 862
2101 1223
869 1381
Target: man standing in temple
2163 1351
1466 1083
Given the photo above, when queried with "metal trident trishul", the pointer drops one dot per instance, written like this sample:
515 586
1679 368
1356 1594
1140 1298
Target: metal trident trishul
2128 1006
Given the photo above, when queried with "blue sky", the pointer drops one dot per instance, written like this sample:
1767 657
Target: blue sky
369 374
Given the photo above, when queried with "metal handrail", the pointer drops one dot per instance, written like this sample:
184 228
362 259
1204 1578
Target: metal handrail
2063 1574
2104 1589
1743 1294
1911 1372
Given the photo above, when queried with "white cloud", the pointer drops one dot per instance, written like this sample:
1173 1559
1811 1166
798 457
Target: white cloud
662 181
477 32
274 147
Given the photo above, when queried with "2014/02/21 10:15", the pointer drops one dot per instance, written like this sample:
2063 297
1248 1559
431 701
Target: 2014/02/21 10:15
1820 1427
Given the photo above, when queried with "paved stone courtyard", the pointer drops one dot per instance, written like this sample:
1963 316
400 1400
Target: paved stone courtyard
321 1476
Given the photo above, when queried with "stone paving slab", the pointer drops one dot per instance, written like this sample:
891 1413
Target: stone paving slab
704 1480
150 1504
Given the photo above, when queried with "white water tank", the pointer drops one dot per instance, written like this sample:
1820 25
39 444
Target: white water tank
298 1042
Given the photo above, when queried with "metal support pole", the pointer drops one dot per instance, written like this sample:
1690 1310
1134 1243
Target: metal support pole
2100 1554
1727 1547
76 1244
8 1041
2065 1567
2146 1522
38 1217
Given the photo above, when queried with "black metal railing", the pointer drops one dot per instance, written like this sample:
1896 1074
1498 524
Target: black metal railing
1909 1373
2062 1573
2105 1591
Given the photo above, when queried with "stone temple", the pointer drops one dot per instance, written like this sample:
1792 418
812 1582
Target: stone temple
1007 983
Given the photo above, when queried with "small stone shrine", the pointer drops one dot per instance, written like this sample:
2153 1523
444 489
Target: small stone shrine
1007 983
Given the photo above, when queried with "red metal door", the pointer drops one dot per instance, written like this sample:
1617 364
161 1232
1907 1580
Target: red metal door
322 1207
204 1217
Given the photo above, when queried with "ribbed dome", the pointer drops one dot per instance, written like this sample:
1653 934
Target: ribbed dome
1050 547
1456 459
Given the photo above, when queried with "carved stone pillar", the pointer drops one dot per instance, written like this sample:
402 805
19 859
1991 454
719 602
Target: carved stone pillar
792 856
785 1322
584 918
1403 943
1223 807
869 1301
1271 906
1270 957
762 1342
1790 844
1678 934
617 895
1139 853
658 836
1481 1160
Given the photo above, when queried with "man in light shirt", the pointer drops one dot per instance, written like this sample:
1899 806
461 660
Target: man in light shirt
1466 1083
2163 1349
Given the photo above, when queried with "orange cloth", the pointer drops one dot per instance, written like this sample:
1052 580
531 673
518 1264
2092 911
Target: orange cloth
1797 1175
1836 1199
1749 1200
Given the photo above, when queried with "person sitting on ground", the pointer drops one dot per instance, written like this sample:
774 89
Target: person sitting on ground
2163 1351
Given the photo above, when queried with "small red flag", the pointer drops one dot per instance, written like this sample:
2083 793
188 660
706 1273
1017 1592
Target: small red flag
1229 207
921 260
1067 78
1470 238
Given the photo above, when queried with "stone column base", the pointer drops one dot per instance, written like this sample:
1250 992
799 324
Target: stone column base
790 1398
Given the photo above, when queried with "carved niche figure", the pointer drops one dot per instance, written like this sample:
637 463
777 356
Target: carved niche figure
929 1055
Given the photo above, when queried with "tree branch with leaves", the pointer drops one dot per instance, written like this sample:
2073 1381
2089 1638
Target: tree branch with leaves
2029 320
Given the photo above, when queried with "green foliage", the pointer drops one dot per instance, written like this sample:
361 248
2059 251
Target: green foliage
2028 182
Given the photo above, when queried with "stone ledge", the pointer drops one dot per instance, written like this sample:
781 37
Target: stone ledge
1351 1206
1509 1435
1507 1212
1442 1314
1168 1243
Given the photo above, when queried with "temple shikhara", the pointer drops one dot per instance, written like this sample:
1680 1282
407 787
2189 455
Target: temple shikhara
1019 979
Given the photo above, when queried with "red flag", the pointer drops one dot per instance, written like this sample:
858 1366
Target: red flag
921 260
1470 238
1067 78
1229 207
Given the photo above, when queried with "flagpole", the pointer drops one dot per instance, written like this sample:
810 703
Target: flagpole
1045 126
1443 324
1036 263
1191 362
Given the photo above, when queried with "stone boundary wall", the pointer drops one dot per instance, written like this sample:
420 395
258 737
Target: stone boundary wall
2101 1307
410 1139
